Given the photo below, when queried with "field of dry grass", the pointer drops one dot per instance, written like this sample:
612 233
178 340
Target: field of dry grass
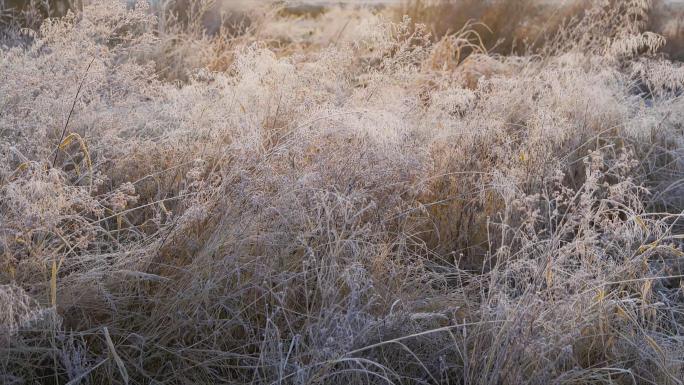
349 196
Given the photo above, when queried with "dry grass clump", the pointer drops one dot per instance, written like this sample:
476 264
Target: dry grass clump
504 26
339 205
668 20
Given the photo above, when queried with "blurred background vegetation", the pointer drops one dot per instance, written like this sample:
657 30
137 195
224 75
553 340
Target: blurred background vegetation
504 26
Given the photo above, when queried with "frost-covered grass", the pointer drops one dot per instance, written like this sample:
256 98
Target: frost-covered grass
343 199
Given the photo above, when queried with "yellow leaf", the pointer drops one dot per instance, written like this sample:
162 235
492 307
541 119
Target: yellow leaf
646 290
622 313
53 284
600 295
640 222
68 140
677 252
655 346
84 148
11 271
645 248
